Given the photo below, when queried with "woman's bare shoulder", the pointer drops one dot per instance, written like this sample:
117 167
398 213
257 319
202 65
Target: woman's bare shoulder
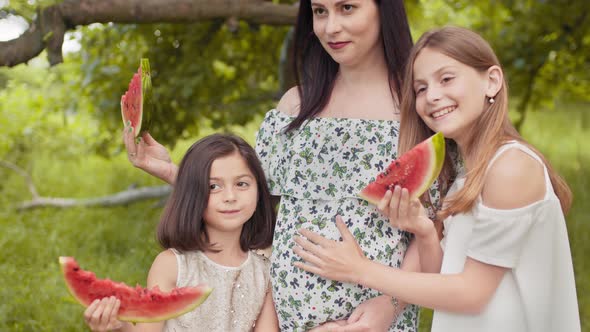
290 102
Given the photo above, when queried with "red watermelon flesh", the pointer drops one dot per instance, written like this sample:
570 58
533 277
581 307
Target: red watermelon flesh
136 102
415 170
138 304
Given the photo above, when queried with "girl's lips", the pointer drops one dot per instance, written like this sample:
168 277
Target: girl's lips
230 211
338 45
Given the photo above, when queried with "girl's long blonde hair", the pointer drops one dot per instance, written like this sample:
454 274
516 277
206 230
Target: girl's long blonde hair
492 130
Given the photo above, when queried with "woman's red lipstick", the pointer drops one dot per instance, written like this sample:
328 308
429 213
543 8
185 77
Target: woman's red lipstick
338 45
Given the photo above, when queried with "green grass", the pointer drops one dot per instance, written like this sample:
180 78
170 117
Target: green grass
119 243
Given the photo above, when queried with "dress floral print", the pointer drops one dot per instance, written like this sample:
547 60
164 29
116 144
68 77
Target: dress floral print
318 171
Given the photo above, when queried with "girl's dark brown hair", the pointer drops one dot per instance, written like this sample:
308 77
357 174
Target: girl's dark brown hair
182 226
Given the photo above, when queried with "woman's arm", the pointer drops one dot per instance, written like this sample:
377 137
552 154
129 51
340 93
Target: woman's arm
267 319
150 156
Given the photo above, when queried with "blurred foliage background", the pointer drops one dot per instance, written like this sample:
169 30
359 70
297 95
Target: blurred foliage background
61 125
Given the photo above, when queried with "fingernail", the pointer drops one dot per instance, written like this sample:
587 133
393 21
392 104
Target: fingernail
128 123
130 129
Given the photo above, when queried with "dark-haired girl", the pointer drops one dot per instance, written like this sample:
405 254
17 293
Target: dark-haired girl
219 212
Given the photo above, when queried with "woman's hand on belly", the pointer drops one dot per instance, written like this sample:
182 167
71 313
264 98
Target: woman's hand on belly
376 314
335 260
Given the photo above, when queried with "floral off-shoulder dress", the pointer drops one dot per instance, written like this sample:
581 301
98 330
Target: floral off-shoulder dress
318 170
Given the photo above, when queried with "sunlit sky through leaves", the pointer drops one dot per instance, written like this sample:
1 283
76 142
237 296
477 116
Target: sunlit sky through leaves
13 26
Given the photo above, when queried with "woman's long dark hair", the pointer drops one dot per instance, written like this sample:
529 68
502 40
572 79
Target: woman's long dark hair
182 227
315 70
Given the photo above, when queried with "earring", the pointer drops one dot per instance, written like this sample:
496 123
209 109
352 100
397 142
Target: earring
491 100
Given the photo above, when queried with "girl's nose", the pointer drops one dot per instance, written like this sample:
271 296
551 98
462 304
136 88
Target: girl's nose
433 94
229 195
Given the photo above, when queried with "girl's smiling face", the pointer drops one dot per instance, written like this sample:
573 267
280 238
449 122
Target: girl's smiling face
450 96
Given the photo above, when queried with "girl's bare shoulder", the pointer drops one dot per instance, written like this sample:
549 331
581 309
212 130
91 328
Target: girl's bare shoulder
514 180
164 271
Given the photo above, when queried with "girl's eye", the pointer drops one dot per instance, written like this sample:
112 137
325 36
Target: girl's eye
214 186
447 79
420 90
243 184
347 8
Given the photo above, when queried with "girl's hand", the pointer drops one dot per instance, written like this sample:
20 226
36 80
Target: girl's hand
335 260
405 213
149 155
101 315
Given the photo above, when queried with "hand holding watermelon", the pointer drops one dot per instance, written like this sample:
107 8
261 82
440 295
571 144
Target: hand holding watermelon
406 213
137 304
143 150
101 315
149 155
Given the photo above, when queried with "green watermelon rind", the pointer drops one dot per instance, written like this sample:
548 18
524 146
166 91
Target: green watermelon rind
437 149
64 261
202 299
436 146
148 94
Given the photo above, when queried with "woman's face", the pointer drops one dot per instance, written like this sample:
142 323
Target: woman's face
450 96
349 30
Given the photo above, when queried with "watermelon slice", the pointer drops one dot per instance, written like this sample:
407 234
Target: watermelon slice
415 170
136 103
137 304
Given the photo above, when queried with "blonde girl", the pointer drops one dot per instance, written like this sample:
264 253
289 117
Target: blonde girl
504 259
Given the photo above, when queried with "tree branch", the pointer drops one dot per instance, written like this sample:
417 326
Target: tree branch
48 29
121 198
24 174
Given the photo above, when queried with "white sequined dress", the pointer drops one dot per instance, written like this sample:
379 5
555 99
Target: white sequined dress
237 297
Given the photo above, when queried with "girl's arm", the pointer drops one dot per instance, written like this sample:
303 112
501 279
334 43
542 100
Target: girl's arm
468 292
101 315
515 180
430 252
267 319
409 215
